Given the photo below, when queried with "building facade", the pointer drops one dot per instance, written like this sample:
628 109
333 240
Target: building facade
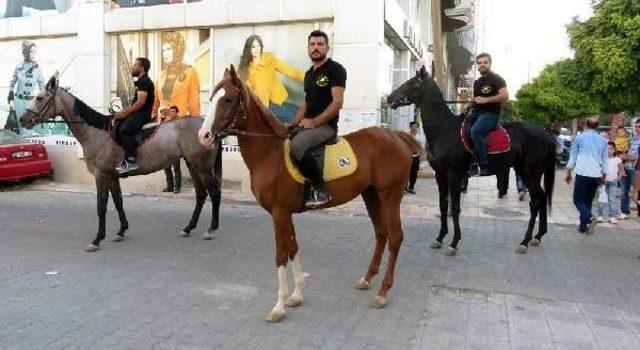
92 42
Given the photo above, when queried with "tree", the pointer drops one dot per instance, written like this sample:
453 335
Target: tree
509 113
552 97
607 53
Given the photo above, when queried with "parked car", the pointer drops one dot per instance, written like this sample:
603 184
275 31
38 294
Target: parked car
20 159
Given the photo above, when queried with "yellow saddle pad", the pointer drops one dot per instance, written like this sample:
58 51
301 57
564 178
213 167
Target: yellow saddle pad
339 161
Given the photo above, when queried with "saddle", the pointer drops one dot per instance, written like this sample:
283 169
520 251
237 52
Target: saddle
143 135
499 141
335 159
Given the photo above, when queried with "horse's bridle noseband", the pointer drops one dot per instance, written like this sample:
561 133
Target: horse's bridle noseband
45 105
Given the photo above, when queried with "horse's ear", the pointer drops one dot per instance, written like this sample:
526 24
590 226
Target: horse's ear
234 75
423 72
52 84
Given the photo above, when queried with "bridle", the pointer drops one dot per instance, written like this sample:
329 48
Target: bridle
239 117
39 114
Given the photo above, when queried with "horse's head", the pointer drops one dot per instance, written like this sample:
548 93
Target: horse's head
409 92
44 106
226 109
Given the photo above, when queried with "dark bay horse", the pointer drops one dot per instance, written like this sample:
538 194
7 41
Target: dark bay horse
532 155
101 155
384 161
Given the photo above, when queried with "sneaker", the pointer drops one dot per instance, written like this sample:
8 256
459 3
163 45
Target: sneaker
411 191
623 216
474 170
177 190
613 221
600 219
126 166
591 226
521 196
167 189
317 197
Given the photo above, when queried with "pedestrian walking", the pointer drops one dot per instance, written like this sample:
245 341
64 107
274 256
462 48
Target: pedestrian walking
588 158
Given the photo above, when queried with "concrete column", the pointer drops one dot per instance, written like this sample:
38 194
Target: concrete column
436 25
358 36
92 60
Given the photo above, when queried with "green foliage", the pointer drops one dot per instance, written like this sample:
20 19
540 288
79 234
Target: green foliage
607 53
509 113
553 97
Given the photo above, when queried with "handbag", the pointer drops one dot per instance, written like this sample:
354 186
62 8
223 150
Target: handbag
12 122
602 197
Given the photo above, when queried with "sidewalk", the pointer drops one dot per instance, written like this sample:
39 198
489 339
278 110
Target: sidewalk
481 200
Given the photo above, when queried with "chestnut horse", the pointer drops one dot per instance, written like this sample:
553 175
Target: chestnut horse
384 160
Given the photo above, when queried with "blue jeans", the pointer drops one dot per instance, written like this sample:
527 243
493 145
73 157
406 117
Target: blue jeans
480 125
520 184
285 112
610 189
584 191
625 187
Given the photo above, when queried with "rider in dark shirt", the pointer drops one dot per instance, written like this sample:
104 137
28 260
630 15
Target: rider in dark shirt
489 92
324 85
135 116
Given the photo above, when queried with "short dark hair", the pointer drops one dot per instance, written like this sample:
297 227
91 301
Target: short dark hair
612 144
319 33
483 54
175 109
146 64
413 123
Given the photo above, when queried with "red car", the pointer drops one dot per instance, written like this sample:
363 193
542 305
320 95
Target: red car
21 160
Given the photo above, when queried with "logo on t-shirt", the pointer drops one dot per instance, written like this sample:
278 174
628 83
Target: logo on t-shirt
485 89
322 81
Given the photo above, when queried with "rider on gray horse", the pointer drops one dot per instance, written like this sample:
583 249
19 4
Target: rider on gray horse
136 115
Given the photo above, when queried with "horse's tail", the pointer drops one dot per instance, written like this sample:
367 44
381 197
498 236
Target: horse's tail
550 176
412 143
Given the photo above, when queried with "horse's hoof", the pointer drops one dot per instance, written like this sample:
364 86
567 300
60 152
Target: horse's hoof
521 249
535 242
117 238
207 236
293 301
436 245
378 302
91 248
184 234
452 251
274 316
362 284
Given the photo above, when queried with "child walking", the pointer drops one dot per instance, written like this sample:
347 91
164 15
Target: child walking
613 170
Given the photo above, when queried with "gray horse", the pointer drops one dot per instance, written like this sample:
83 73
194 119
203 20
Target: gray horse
101 154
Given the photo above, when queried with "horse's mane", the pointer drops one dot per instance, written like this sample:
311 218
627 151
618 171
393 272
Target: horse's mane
273 122
90 115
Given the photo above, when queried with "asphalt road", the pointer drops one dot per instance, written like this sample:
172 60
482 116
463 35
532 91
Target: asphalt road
157 291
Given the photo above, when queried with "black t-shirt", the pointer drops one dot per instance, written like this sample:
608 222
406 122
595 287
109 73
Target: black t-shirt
145 84
317 88
488 86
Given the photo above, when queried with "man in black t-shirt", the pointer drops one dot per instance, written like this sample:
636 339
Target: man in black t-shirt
489 92
324 85
135 116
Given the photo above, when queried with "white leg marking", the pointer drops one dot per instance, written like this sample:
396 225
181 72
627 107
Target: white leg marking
283 290
298 276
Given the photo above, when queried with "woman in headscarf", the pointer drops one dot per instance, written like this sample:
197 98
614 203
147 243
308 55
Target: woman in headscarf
177 93
26 77
259 70
178 84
